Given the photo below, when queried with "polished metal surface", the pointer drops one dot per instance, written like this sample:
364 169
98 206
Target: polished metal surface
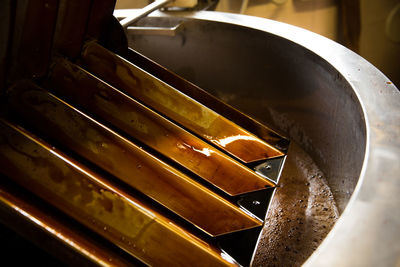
141 123
271 168
142 173
100 205
326 99
177 106
337 106
60 237
58 121
273 138
144 12
168 31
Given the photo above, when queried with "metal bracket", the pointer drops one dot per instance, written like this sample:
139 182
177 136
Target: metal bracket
171 31
271 169
143 12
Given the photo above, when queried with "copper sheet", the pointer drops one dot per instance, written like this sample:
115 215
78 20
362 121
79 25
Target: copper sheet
85 90
53 234
125 160
207 99
176 105
99 205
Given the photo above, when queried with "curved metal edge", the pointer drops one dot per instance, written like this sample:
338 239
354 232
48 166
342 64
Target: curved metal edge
367 233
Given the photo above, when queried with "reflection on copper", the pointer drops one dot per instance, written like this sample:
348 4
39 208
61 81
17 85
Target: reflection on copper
175 105
125 160
59 230
272 138
229 140
83 89
205 151
98 204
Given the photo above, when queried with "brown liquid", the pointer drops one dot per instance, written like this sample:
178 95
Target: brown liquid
302 213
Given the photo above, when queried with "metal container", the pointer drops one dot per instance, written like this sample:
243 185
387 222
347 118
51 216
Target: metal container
341 110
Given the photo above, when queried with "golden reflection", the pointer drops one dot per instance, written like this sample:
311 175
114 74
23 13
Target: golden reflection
60 231
205 151
173 104
125 160
229 140
143 124
99 205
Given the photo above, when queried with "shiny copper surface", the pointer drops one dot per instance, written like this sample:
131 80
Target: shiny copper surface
176 105
98 204
40 227
83 89
207 99
105 194
125 160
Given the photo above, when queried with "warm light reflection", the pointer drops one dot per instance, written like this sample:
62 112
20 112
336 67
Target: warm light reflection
226 141
205 151
228 258
59 235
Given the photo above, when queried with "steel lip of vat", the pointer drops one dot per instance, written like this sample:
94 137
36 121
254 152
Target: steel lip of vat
99 205
175 105
47 114
74 84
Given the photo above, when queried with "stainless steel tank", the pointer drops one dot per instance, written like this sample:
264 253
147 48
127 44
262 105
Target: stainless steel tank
337 106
